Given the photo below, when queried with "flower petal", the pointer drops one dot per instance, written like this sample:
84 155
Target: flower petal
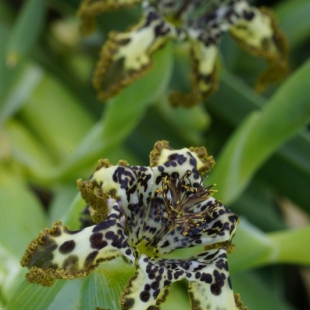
89 9
257 31
210 287
137 187
204 33
207 273
196 158
59 253
203 77
126 56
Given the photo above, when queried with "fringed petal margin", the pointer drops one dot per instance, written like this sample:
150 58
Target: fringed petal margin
203 77
162 153
59 253
258 33
127 56
89 9
207 274
239 303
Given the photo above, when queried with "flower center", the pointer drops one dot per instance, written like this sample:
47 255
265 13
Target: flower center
184 204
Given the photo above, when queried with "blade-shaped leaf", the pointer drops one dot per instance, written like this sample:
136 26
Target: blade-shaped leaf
35 297
256 294
122 114
22 215
104 286
254 248
261 133
26 30
294 21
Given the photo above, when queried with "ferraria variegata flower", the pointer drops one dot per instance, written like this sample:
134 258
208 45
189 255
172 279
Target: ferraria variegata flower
126 56
141 214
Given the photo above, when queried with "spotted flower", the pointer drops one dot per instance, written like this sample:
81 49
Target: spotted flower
126 56
141 214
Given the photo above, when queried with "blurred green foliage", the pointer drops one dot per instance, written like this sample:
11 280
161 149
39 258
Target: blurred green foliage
53 130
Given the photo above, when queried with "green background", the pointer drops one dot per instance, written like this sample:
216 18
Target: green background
53 130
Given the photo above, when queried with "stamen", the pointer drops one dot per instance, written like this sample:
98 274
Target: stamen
180 200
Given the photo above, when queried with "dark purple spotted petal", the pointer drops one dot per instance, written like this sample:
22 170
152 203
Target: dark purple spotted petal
207 274
126 56
61 253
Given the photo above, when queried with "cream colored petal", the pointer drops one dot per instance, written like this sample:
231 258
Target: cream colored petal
207 274
162 153
258 33
125 56
59 253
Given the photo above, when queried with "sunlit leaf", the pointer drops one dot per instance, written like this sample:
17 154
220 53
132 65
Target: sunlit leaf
61 122
104 286
115 126
26 30
256 294
62 295
20 90
19 144
22 215
9 269
255 248
261 133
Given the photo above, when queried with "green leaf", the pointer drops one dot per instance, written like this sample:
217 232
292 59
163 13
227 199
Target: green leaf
63 197
292 246
255 248
187 123
177 298
257 204
16 83
67 297
103 287
63 294
71 217
20 145
262 132
122 114
294 20
22 215
252 247
257 294
9 269
26 30
62 122
20 89
234 100
293 162
292 159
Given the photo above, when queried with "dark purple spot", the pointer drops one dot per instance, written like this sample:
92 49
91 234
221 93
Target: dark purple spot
206 277
67 247
90 259
109 235
96 241
144 296
215 289
128 303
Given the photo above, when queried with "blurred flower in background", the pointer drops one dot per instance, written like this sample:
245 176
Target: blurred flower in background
126 56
